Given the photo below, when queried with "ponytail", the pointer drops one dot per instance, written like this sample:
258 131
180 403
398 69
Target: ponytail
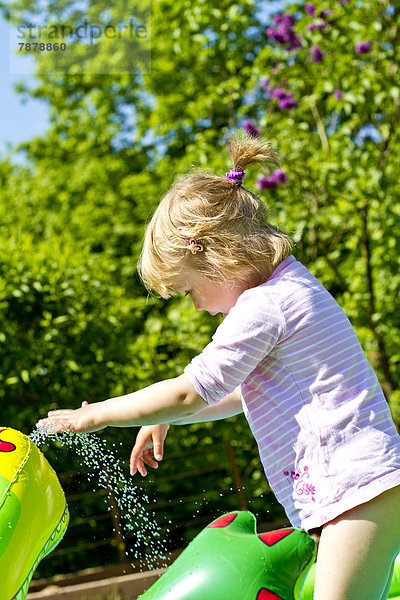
246 150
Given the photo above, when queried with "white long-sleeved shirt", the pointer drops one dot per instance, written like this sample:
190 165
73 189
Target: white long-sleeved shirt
324 431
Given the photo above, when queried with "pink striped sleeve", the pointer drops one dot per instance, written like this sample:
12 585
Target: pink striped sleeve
246 336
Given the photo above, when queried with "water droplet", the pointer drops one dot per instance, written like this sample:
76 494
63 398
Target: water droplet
130 500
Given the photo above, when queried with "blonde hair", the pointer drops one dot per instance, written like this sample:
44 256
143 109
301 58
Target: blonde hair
229 221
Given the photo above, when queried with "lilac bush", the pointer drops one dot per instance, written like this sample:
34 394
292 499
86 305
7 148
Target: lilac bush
341 197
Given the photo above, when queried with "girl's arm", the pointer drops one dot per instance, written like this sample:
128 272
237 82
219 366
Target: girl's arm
168 400
228 407
149 445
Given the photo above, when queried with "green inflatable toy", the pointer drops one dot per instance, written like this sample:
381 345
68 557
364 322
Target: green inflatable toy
228 559
394 592
33 512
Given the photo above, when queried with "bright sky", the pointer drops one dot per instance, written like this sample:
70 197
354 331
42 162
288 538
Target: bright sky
18 122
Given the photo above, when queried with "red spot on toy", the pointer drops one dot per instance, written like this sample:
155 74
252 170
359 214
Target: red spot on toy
224 521
265 594
274 536
6 446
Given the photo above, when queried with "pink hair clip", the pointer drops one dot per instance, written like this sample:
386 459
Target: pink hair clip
192 245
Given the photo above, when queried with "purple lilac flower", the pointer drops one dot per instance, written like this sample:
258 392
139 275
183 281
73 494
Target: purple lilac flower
266 182
363 47
317 54
310 9
338 94
280 176
276 35
286 20
325 13
312 26
284 34
287 103
278 93
251 129
285 99
294 40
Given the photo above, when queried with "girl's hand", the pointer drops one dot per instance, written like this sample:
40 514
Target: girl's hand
84 419
149 446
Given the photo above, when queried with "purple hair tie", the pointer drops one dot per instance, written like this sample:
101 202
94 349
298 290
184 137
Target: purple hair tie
236 176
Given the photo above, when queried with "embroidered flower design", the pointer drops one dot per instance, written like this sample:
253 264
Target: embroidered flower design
301 486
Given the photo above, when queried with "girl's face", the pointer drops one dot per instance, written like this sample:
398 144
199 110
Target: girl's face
210 295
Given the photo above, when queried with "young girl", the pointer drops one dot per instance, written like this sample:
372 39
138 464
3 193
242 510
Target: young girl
287 356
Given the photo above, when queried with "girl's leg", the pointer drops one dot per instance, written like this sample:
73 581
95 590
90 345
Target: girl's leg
357 550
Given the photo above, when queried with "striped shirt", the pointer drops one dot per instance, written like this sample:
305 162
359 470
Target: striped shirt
324 431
